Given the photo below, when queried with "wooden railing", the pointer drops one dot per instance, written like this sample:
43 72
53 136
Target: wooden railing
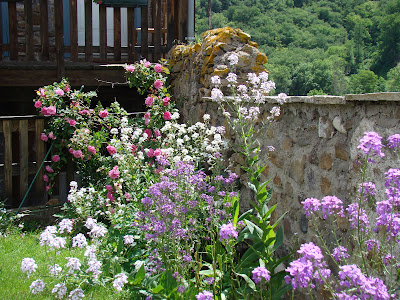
161 22
23 152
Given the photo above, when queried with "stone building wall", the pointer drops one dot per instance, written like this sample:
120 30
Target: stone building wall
315 137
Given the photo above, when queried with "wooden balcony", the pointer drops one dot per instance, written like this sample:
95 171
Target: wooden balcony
42 41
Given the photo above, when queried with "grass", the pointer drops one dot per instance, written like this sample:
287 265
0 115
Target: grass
15 285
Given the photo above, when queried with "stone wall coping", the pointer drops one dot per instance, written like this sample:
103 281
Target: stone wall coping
327 99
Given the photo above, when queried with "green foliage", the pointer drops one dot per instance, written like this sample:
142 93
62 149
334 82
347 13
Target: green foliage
393 79
364 81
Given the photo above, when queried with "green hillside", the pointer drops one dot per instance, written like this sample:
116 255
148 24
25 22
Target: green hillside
320 46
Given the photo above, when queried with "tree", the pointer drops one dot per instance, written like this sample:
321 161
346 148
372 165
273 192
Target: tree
364 81
393 79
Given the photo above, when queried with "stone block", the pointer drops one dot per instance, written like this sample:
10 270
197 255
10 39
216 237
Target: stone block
325 161
325 186
341 152
325 128
286 143
297 170
276 160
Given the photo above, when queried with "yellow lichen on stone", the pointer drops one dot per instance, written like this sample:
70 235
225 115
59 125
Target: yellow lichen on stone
261 58
220 72
253 44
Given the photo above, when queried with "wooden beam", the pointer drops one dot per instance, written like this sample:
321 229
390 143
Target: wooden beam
131 34
13 27
117 34
144 44
88 31
8 159
44 30
59 36
23 157
183 20
28 30
103 32
157 31
73 24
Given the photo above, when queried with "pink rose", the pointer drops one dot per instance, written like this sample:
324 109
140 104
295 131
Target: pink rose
56 158
109 188
42 94
110 196
51 111
84 112
157 152
52 136
77 153
38 104
158 68
47 188
111 150
114 174
45 178
128 196
67 89
70 150
133 148
149 101
166 101
49 169
43 137
146 122
158 84
147 64
103 113
147 115
150 153
148 132
59 92
167 116
92 149
157 132
129 68
71 122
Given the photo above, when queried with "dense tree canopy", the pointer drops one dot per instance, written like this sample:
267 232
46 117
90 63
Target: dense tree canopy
323 46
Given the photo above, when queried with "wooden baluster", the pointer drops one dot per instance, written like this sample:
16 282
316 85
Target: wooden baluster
73 24
39 156
13 27
117 34
157 22
7 132
131 35
183 20
29 48
59 28
44 30
23 158
170 23
103 32
88 31
144 47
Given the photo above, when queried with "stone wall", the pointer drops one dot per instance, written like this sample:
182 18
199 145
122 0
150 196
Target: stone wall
315 137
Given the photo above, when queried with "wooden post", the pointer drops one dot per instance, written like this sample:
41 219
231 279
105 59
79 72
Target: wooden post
23 158
117 34
144 47
131 35
103 32
39 156
44 30
29 49
157 31
12 19
170 23
183 20
88 31
59 28
73 24
7 131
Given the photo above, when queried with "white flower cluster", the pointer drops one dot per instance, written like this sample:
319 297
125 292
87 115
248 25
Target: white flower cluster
119 281
49 238
28 265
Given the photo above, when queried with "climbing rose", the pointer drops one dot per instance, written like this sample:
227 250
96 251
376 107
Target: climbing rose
158 68
167 116
56 158
92 149
59 92
129 68
158 84
38 104
103 113
114 173
111 150
43 137
149 101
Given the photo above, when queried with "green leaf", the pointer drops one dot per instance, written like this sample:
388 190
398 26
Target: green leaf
139 276
235 212
278 238
248 280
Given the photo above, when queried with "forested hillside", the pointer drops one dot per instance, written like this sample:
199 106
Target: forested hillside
318 46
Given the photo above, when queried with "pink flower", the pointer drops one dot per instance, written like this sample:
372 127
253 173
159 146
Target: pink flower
158 68
158 84
114 173
134 148
146 122
45 178
71 122
42 94
92 149
59 92
103 113
52 136
157 132
167 116
38 104
70 150
111 150
147 64
51 110
84 112
67 89
56 158
166 101
157 152
109 188
149 101
130 68
43 137
150 153
128 196
110 196
49 169
148 132
47 188
77 153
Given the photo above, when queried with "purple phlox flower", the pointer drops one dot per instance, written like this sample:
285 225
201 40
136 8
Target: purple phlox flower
259 273
367 189
227 231
340 253
343 296
205 295
119 281
357 217
389 259
181 289
209 280
79 241
310 205
373 245
394 141
308 269
392 178
331 205
37 286
371 144
66 225
393 196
